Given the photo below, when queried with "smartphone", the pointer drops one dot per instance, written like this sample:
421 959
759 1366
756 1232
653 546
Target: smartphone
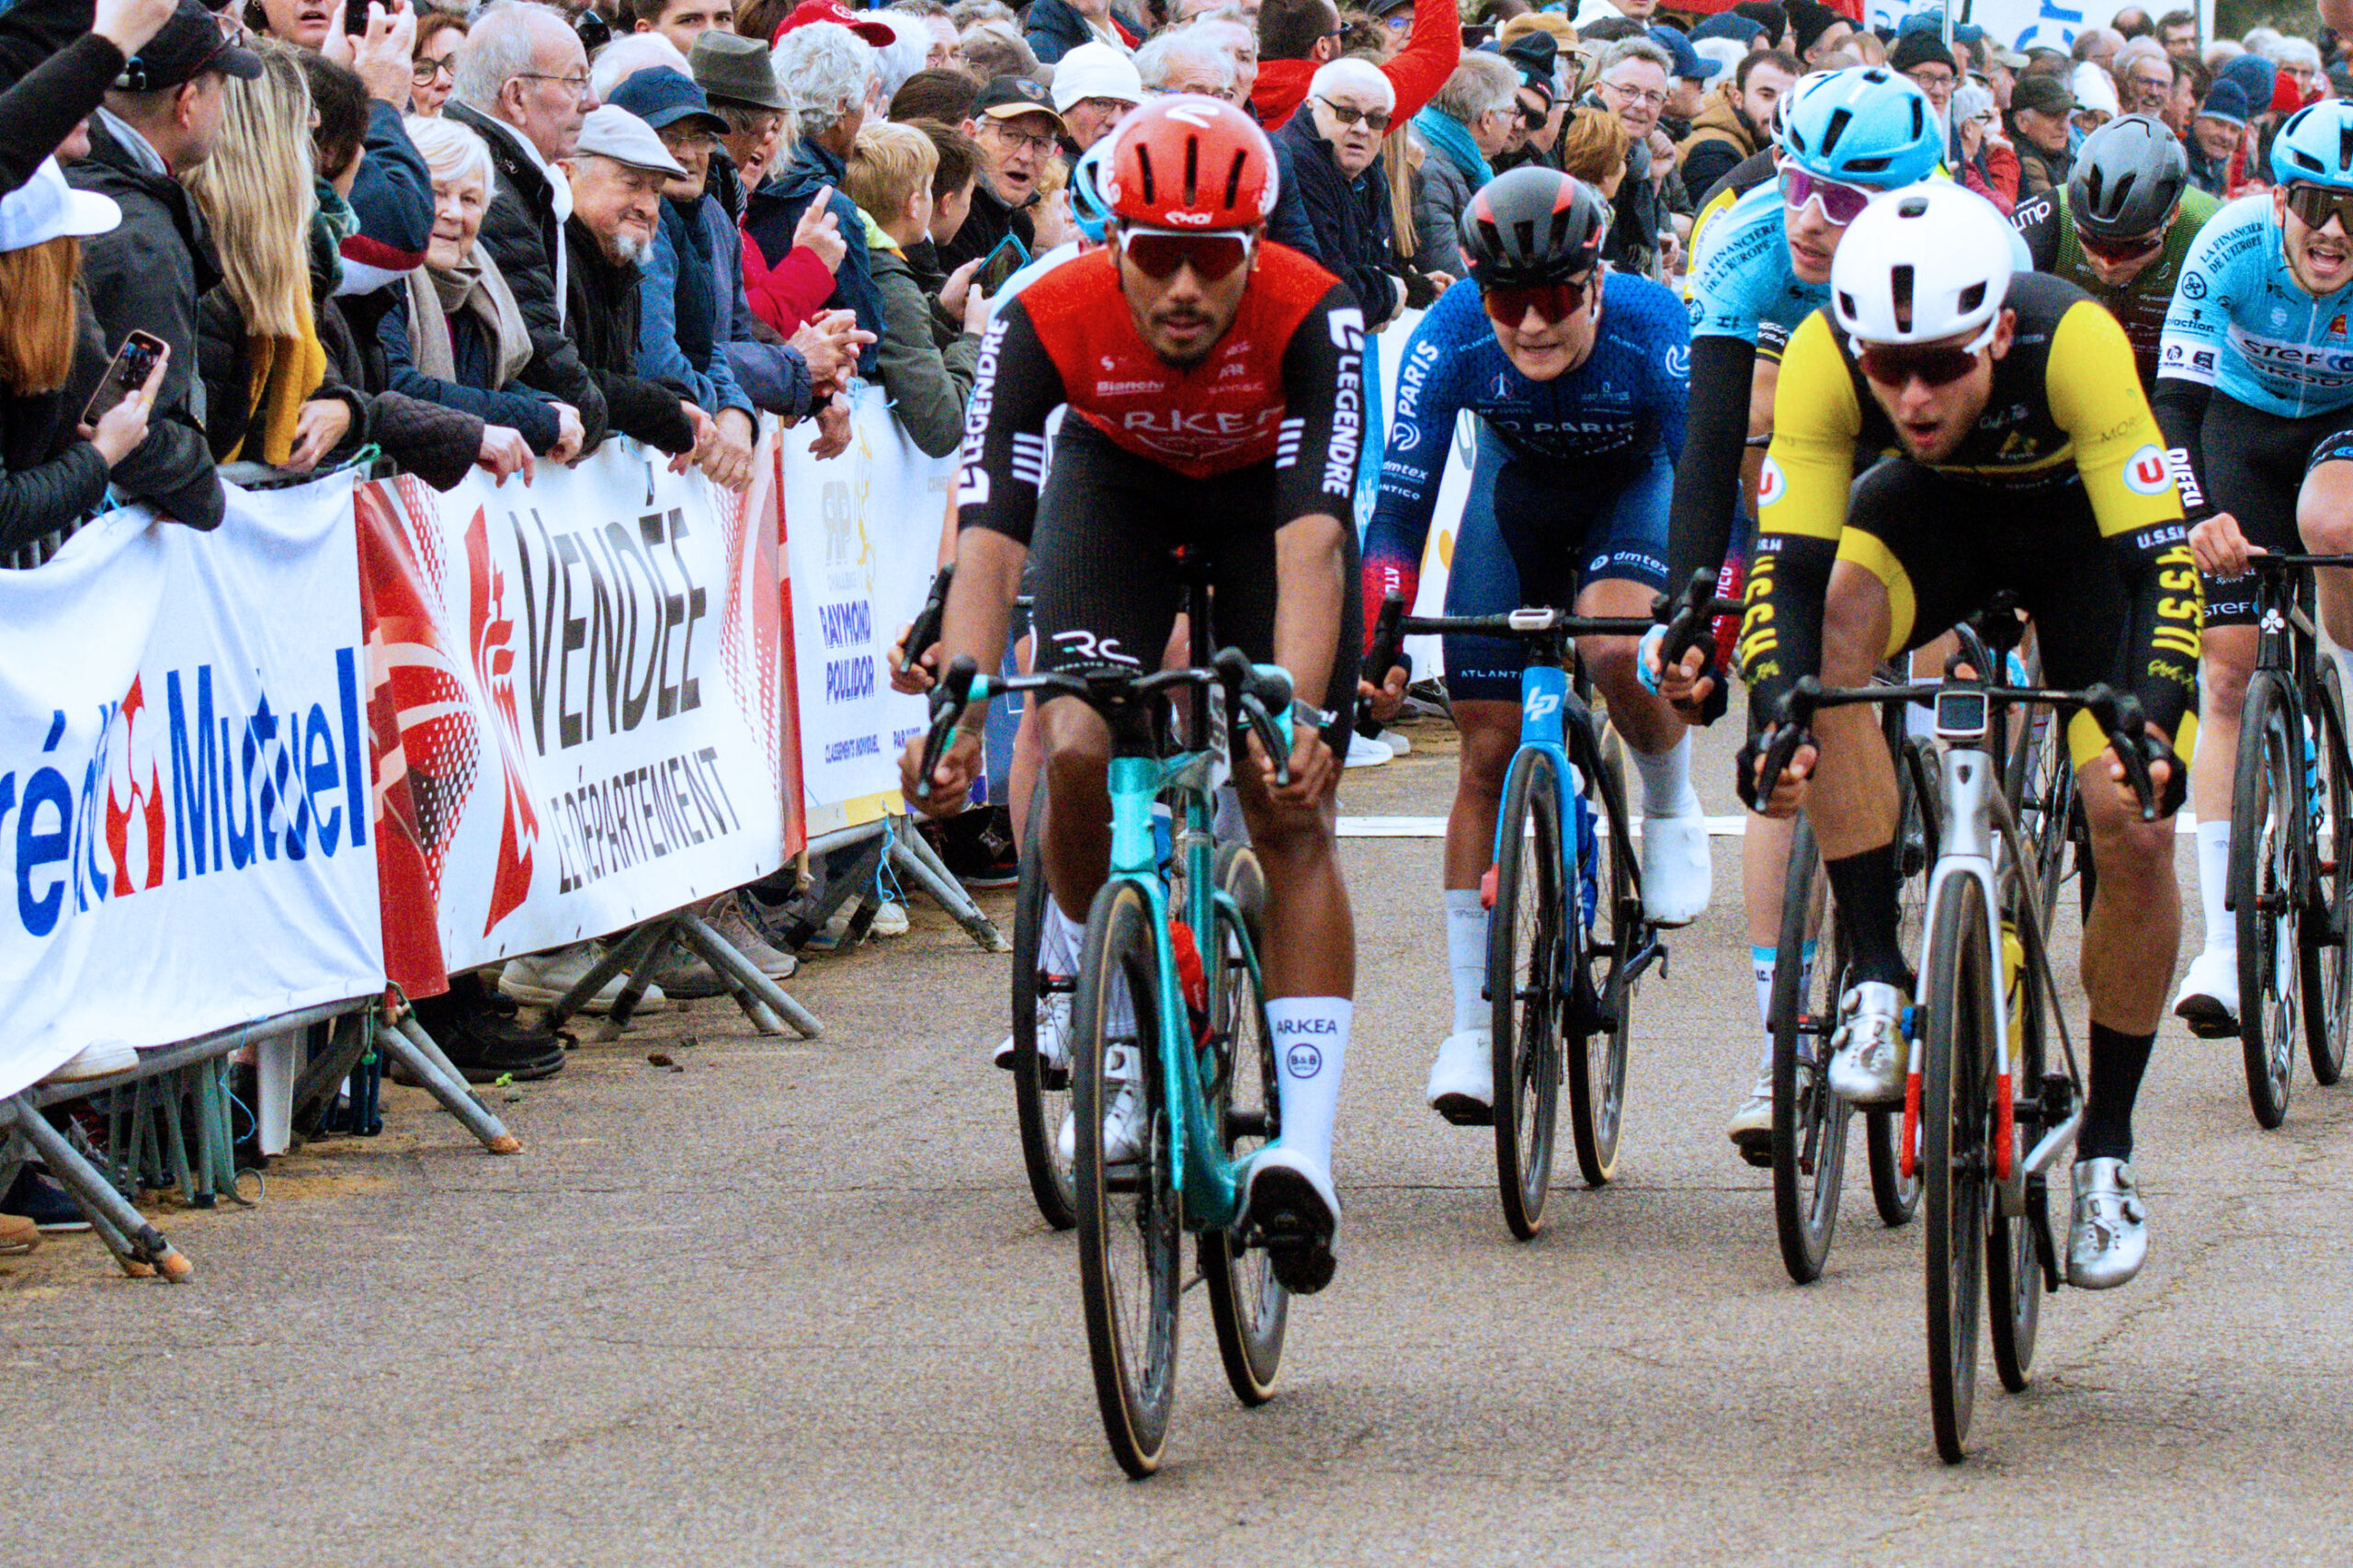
133 363
1009 257
355 17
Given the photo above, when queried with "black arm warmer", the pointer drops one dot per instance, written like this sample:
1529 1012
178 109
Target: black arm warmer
1706 480
2180 408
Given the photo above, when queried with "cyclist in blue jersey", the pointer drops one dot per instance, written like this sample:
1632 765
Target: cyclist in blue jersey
1578 376
1765 267
2254 393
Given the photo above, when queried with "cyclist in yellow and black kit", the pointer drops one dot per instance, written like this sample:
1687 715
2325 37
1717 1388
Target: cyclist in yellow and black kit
2022 456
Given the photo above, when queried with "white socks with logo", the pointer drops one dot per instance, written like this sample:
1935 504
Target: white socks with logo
2214 886
1666 780
1760 964
1466 958
1311 1048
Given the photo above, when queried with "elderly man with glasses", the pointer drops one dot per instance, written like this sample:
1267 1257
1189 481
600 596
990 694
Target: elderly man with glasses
1332 198
1013 122
1633 85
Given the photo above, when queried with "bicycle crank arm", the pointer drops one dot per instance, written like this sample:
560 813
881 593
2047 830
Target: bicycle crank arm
2055 1143
1653 951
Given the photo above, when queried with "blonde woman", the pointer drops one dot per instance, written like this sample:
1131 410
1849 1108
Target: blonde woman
268 397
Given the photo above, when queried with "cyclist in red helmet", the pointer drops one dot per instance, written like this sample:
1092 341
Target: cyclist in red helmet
1216 404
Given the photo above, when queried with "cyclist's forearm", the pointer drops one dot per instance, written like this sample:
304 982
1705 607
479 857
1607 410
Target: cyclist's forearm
1311 586
1780 627
980 602
1707 479
2162 578
2181 407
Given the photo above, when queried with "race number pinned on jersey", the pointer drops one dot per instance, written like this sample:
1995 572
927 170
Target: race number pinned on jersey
1771 483
2145 472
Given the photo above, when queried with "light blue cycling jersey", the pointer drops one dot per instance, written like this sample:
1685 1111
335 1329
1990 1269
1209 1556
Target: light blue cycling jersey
2242 325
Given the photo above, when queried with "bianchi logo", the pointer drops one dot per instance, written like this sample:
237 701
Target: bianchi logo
1126 389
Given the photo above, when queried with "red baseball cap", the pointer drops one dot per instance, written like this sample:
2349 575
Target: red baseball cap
808 11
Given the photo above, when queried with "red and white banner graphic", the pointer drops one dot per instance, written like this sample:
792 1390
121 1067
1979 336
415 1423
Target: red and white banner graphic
184 806
576 694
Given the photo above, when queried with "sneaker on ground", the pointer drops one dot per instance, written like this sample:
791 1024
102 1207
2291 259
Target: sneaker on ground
482 1037
1363 753
2108 1240
977 846
1396 742
1751 1128
18 1235
100 1058
890 919
736 928
40 1197
541 979
1290 1201
1872 1054
685 977
1462 1079
1679 872
2208 998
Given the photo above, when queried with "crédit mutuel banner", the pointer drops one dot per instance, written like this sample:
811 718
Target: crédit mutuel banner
184 780
575 698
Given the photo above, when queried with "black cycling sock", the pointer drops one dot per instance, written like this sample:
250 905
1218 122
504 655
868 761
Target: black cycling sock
2118 1062
1866 887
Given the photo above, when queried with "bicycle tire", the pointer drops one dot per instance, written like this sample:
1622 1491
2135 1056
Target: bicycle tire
1953 1110
2265 811
1130 1311
2014 1277
1526 938
1596 1057
1919 821
1040 1093
2326 957
1248 1304
1810 1122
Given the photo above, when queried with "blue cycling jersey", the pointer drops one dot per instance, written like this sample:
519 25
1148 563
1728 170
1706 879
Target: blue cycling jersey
1616 410
2242 325
1742 280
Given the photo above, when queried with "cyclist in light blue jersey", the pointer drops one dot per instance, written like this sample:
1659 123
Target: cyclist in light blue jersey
2254 392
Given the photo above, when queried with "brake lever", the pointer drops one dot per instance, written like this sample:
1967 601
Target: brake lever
949 701
1792 728
1688 617
925 631
2121 715
1388 638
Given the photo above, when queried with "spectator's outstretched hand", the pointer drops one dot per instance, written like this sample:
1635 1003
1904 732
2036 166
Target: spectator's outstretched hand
956 294
504 451
321 423
381 56
570 435
128 24
821 231
122 430
829 346
833 428
706 436
728 459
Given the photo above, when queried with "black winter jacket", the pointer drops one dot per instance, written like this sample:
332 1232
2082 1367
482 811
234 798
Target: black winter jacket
49 477
604 323
1342 223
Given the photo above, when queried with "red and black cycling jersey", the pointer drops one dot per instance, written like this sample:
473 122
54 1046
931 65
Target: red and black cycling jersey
1285 386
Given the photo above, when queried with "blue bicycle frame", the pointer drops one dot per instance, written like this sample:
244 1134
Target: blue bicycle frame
1545 695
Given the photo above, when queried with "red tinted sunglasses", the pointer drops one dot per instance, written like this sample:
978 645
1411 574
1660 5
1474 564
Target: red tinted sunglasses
1841 203
1895 365
1160 252
1552 302
2117 252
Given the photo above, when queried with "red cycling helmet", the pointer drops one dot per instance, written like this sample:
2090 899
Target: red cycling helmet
1191 162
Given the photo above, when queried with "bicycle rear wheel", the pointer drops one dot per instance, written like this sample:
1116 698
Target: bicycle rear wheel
1128 1213
1526 954
1920 826
2266 803
1809 1147
1040 1078
1596 1048
1249 1307
2326 957
1955 1087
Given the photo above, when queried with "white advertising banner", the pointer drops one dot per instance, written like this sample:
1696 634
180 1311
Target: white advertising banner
578 703
2028 23
862 534
184 786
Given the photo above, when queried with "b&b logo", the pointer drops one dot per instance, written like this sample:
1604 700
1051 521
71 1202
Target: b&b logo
1303 1060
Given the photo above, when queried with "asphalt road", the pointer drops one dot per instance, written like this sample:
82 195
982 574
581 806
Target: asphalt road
791 1304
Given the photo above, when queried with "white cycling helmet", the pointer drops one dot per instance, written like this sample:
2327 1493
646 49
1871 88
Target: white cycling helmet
1924 263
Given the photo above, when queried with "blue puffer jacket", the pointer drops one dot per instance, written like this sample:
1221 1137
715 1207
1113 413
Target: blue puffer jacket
1055 27
775 211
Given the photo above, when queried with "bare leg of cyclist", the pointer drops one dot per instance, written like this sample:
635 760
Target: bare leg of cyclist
2208 998
2324 518
1677 869
1461 1082
1764 872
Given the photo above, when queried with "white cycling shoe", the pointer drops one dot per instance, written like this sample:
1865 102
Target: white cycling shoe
2107 1238
1462 1079
2208 998
1751 1128
1289 1199
1678 874
1872 1054
1123 1129
1053 1024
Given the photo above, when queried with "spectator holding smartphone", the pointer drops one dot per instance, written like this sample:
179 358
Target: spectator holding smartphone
52 471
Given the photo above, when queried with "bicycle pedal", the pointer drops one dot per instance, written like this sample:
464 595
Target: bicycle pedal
1464 1111
1757 1152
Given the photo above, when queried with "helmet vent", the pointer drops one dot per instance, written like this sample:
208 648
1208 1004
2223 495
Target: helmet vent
1144 169
2343 144
2117 198
1971 297
1912 207
1899 286
1835 129
1192 170
1919 117
1234 180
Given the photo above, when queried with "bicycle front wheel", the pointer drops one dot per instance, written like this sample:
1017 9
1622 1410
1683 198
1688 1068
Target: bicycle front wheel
1956 1087
1526 953
2326 955
1596 1049
1249 1307
2266 803
1809 1121
1128 1211
1041 1055
1920 826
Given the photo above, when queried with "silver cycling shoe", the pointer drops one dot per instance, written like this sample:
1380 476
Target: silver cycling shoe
2108 1240
1872 1054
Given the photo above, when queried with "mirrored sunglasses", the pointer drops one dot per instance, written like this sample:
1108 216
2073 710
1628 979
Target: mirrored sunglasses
2316 204
1159 253
1553 303
1841 203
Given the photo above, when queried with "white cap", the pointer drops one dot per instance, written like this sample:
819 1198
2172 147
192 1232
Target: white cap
611 131
2096 90
1096 71
45 208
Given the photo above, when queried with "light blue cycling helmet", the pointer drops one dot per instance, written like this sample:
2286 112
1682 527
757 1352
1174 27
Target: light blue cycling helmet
1087 207
2315 147
1864 125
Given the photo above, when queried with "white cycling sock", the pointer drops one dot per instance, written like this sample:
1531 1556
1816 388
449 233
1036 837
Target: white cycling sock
1761 964
1311 1048
1666 780
1466 958
2214 886
1060 941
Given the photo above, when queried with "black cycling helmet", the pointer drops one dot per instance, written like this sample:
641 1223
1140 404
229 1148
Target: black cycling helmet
2129 178
1533 225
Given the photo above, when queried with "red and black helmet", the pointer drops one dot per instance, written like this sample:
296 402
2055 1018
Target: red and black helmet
1533 226
1191 162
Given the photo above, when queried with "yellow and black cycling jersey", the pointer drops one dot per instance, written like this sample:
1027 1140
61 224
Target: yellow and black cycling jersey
2060 493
